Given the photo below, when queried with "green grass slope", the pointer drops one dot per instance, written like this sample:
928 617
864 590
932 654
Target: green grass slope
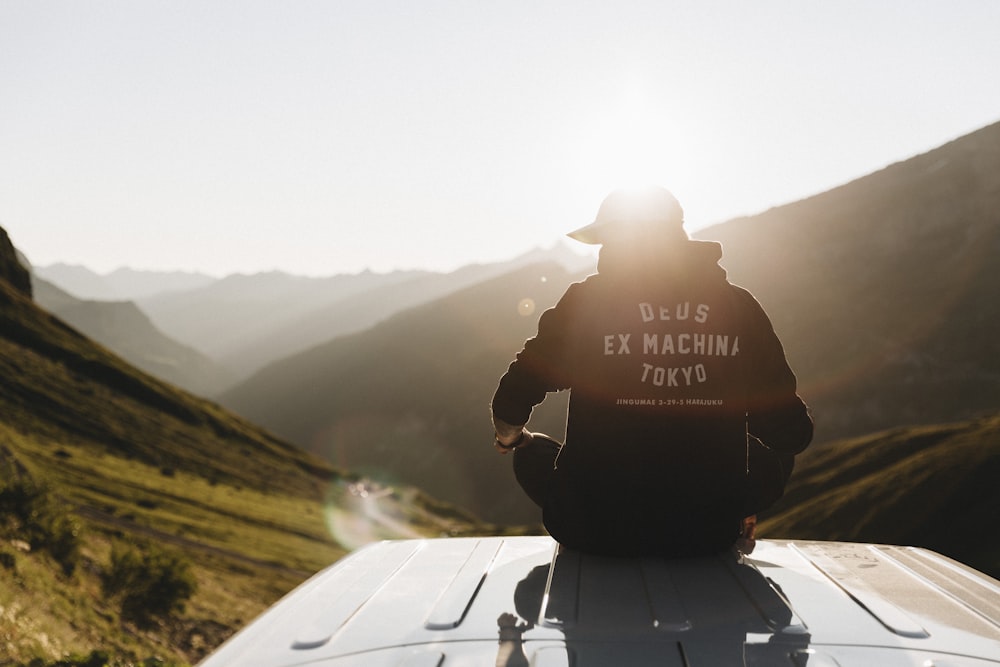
101 463
57 380
929 486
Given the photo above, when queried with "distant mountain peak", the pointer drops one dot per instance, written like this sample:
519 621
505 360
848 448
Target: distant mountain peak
561 252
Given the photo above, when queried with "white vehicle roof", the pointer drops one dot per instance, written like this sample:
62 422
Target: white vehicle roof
438 602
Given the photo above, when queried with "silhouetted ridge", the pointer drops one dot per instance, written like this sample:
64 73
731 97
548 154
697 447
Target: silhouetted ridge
884 289
11 270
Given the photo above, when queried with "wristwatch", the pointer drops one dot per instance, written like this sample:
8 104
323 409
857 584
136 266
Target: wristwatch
513 445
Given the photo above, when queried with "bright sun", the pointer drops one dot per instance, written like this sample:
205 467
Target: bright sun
636 140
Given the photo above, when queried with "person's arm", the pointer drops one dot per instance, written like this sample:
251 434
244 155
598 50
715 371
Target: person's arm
540 367
776 415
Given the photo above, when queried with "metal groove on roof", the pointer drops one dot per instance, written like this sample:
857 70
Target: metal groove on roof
451 607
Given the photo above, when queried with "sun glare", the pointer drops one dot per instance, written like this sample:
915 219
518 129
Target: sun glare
639 138
361 512
633 142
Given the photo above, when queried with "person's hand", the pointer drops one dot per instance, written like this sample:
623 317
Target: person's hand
506 620
510 628
747 540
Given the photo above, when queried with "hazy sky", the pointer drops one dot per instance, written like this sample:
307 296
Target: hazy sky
329 137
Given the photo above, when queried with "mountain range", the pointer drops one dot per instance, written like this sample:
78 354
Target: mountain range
883 291
205 334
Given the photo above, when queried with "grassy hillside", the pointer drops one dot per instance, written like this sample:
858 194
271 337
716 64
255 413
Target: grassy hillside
930 486
245 548
111 481
57 381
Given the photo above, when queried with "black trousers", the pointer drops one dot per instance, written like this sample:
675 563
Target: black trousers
768 472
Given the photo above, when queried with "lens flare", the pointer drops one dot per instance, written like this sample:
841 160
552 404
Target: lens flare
362 511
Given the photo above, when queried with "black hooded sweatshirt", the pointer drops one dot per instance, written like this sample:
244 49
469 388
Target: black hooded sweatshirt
672 369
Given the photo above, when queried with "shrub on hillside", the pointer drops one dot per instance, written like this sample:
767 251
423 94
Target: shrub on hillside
8 561
30 511
100 658
151 582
